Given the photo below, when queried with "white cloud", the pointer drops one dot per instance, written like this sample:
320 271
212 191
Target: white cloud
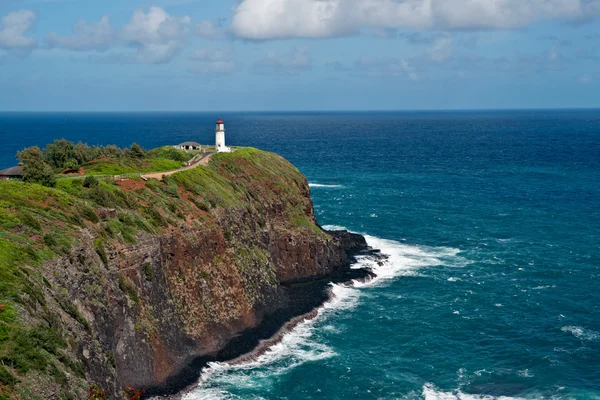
13 28
441 50
93 36
290 63
272 19
158 36
213 61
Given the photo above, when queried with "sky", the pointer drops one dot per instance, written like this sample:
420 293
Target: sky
243 55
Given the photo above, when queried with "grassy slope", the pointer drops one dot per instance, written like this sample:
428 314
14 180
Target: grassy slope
38 223
160 159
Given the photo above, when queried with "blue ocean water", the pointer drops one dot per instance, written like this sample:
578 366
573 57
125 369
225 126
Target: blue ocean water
491 221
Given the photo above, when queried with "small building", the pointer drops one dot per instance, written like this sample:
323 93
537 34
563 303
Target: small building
220 138
189 146
12 173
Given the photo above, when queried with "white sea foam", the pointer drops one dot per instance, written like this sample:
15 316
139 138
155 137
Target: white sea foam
322 185
299 345
430 392
581 333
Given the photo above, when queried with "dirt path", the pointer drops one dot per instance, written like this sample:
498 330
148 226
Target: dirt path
160 175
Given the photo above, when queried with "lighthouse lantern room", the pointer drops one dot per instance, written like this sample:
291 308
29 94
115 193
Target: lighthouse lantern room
220 137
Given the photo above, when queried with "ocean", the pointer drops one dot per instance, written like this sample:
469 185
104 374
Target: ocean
491 221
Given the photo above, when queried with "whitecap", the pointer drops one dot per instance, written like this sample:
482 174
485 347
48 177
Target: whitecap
430 392
322 185
581 333
334 228
525 373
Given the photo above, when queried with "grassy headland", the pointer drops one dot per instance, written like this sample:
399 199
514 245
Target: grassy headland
39 223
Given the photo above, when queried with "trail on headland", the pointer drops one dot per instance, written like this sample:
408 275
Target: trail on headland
159 175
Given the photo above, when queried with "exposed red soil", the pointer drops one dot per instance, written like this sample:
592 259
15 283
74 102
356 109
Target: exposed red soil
130 185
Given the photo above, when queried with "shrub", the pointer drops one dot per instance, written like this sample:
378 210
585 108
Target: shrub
156 216
148 271
29 220
50 240
90 181
6 378
89 214
96 393
133 394
128 289
98 244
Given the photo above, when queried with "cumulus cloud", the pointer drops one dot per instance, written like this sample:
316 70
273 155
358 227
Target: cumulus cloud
158 36
86 36
13 30
275 19
274 63
212 61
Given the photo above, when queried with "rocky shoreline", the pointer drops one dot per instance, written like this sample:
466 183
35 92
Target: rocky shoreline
138 286
306 298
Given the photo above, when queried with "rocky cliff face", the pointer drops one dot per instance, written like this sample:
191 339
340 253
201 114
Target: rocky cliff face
169 277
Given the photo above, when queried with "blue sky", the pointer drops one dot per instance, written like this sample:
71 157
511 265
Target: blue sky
196 55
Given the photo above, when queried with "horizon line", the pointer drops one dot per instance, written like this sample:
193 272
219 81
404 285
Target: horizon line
306 110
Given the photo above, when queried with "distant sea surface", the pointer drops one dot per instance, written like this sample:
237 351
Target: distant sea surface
491 221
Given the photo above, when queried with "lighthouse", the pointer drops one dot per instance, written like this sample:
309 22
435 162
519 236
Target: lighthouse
220 137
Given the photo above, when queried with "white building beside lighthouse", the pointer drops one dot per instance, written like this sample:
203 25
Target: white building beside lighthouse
220 137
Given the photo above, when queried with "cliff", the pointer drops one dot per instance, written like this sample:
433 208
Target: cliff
111 284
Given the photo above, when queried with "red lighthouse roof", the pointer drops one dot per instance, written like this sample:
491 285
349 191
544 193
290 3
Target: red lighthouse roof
220 121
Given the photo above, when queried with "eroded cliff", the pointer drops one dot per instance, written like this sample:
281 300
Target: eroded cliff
133 283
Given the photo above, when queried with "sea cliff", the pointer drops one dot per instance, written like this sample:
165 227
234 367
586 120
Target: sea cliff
114 284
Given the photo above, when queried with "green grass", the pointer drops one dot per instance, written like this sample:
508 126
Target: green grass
170 153
124 166
39 223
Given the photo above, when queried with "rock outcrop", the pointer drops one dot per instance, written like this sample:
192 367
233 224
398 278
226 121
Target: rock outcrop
200 267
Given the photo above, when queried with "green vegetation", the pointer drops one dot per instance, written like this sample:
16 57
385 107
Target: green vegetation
38 223
128 288
124 166
147 271
41 166
35 170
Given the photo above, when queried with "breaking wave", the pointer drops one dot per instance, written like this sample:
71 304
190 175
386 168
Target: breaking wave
300 346
322 185
431 393
581 333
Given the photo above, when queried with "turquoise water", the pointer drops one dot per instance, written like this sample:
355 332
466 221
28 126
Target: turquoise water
492 224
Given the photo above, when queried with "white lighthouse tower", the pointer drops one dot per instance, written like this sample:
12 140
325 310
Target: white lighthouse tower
220 137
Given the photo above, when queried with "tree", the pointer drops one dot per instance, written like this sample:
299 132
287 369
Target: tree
137 151
35 170
59 153
83 153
